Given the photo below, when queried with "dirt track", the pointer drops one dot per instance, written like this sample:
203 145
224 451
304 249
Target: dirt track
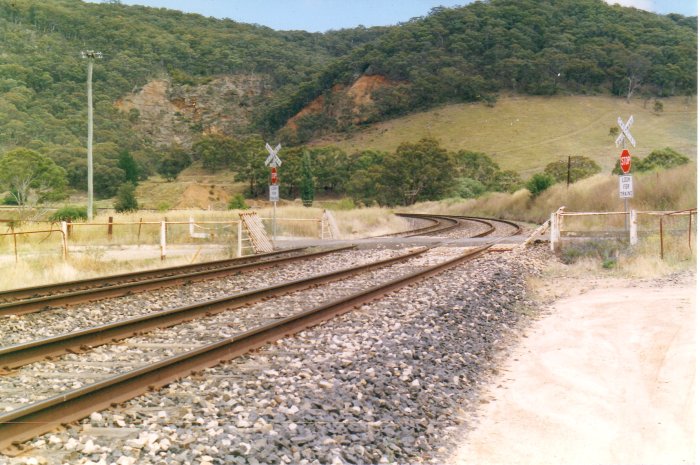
608 376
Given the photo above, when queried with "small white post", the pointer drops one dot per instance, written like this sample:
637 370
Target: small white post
633 227
240 239
64 237
162 240
554 232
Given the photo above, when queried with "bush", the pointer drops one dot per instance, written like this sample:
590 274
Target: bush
539 183
126 198
70 213
237 202
662 158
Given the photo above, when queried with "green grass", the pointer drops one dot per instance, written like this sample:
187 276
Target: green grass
527 133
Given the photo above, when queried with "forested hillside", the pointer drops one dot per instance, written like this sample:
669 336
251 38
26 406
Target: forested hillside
174 87
536 47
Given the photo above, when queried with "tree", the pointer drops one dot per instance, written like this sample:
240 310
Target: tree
126 198
173 162
581 168
417 172
307 181
31 177
127 163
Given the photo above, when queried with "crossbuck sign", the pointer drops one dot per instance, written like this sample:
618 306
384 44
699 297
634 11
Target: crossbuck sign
273 161
625 134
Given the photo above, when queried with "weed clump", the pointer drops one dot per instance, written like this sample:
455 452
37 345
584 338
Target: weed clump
607 253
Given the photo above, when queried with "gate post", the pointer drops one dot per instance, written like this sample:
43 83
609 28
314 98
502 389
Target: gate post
633 227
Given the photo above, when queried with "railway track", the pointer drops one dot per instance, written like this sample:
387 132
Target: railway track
452 225
35 299
305 302
174 342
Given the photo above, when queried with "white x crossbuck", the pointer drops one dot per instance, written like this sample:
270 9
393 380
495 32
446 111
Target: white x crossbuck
273 161
625 127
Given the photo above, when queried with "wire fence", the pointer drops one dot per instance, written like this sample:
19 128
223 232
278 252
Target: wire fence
668 230
141 238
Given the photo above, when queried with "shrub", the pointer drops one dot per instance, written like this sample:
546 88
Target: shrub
539 183
126 198
70 213
237 202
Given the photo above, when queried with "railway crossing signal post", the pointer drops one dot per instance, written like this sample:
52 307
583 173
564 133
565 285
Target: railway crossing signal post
273 161
626 184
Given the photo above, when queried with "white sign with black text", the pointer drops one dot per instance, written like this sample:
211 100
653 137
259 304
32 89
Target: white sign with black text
274 193
626 187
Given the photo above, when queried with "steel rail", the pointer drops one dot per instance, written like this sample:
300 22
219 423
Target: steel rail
38 418
516 226
66 286
118 290
441 223
17 355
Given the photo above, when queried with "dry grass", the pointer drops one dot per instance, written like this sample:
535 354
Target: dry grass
527 133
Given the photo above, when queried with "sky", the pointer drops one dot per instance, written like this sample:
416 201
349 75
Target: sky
323 15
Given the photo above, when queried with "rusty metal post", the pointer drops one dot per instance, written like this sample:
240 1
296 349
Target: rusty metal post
661 235
14 237
110 220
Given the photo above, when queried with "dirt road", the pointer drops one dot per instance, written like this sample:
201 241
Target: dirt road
608 376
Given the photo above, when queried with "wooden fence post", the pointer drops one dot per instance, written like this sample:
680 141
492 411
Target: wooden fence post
162 240
661 235
240 239
110 220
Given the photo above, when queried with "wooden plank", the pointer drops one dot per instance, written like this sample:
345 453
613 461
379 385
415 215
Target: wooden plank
256 232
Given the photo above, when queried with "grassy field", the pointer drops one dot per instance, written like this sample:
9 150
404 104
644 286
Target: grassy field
527 133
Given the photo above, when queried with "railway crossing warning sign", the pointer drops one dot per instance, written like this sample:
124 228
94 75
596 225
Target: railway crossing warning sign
625 161
625 132
273 161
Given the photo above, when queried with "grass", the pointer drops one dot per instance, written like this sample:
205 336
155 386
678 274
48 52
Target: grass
526 133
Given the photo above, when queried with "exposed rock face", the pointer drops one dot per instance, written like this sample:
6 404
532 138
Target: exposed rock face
345 102
170 113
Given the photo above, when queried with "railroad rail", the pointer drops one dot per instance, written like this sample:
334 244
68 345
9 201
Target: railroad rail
28 421
89 290
445 223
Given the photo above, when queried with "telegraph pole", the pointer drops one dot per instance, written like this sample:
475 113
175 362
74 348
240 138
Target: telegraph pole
90 55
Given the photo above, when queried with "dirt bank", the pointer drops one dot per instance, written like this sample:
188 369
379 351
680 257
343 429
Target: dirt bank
607 376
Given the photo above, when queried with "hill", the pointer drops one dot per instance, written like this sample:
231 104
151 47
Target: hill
170 81
527 47
526 133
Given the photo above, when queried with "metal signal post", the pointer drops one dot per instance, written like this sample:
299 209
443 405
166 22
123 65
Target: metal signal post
273 161
626 185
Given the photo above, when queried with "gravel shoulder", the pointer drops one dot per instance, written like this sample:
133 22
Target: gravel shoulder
607 375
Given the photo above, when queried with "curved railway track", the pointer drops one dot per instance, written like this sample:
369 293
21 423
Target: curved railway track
442 224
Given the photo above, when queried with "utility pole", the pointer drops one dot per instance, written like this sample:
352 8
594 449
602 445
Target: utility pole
90 55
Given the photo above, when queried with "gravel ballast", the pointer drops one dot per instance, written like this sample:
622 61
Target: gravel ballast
389 382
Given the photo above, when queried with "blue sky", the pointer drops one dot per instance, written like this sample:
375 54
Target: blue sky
322 15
